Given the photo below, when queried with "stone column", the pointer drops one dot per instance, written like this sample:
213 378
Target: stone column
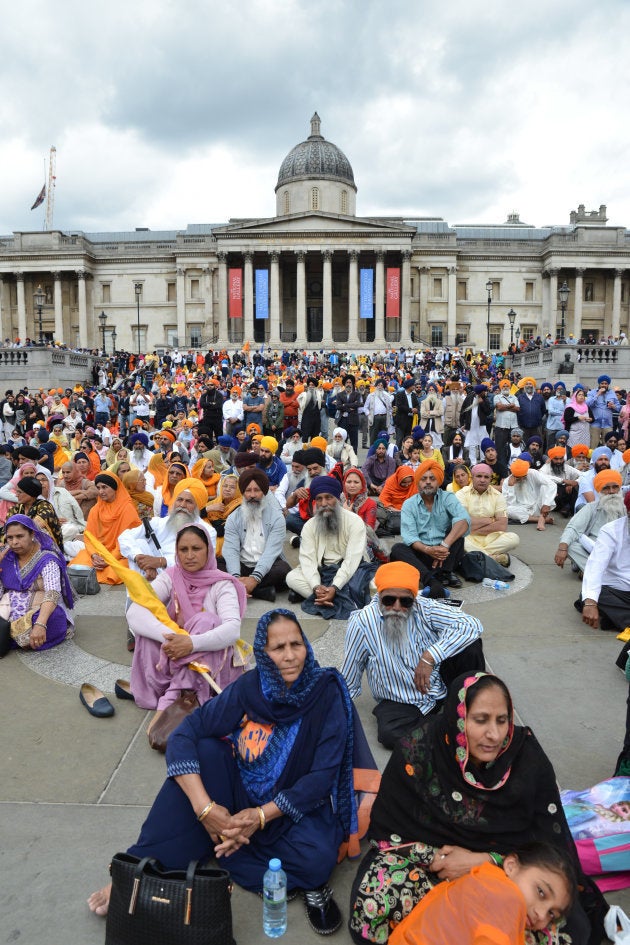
451 316
58 308
181 307
274 300
327 298
83 324
405 293
248 298
223 300
21 301
552 325
209 303
616 311
300 302
577 303
423 273
3 313
353 297
379 300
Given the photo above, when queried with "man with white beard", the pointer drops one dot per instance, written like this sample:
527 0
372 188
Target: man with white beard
341 451
254 535
605 599
140 452
411 648
578 538
150 548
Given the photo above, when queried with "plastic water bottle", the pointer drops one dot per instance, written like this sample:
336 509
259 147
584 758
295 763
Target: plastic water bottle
497 585
275 900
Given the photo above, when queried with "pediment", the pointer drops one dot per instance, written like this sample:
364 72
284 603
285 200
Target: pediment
314 223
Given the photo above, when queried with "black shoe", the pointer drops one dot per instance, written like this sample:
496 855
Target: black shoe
265 593
122 689
295 598
95 701
322 911
450 580
295 541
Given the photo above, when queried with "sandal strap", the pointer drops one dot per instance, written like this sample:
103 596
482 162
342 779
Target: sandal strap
318 898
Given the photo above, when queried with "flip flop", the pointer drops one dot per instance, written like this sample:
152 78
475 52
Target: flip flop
95 702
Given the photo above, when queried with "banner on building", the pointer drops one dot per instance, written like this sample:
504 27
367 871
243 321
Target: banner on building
366 293
262 293
392 307
235 292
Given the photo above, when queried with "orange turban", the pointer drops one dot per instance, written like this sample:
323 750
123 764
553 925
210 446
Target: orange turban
519 468
168 433
556 452
605 477
626 456
251 427
196 489
397 574
579 450
527 380
319 442
432 466
505 383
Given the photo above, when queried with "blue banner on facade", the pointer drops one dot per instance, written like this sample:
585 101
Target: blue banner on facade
262 293
366 294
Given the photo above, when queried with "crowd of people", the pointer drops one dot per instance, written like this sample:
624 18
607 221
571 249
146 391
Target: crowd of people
200 472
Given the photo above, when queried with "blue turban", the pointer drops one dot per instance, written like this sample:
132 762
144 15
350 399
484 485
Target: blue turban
604 377
559 384
224 441
487 444
139 438
599 452
546 384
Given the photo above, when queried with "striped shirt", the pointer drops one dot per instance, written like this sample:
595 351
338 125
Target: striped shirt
432 626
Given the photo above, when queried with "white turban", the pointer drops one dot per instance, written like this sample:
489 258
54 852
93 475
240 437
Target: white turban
342 432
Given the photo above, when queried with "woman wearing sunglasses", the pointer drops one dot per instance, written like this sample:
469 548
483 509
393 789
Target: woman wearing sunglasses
411 648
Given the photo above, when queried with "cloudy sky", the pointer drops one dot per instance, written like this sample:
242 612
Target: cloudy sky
169 112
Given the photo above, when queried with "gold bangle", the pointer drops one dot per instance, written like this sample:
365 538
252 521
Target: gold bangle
262 818
204 813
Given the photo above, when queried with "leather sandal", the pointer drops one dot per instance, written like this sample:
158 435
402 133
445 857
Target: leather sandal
322 911
95 701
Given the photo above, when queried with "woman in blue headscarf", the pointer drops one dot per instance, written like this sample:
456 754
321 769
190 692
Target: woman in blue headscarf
264 770
35 593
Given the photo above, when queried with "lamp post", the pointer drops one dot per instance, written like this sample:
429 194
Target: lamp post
517 335
489 291
39 297
138 290
103 320
114 338
563 293
511 318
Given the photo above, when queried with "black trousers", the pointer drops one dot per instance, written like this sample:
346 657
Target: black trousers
430 577
379 425
353 433
394 719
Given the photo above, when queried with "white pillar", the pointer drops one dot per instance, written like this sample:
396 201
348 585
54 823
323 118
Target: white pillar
553 304
58 308
248 299
3 320
209 304
451 316
405 293
577 304
353 298
21 301
83 324
223 301
274 306
379 300
423 272
327 298
181 307
300 302
616 311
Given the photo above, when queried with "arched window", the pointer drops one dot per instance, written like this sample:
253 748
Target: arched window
344 201
315 198
286 202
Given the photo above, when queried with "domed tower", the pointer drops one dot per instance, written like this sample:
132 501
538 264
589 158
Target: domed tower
316 175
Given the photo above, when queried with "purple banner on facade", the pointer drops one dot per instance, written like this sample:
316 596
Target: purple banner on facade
366 293
262 293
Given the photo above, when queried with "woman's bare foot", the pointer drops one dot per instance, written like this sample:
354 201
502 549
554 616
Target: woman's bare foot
541 523
158 713
99 901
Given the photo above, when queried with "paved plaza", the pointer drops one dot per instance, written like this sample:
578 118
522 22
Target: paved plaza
75 789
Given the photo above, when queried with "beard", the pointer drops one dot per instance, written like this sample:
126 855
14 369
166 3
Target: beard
612 506
178 518
336 449
328 521
394 628
252 512
265 461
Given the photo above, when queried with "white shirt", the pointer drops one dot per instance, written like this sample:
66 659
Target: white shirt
608 561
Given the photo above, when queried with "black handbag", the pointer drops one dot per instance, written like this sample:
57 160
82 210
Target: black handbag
153 906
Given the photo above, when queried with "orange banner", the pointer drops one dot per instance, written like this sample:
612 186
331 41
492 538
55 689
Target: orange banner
392 307
235 292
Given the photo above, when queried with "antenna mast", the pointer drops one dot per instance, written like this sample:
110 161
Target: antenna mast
50 193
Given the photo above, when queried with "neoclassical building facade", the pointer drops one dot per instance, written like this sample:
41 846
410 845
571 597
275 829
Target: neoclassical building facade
316 274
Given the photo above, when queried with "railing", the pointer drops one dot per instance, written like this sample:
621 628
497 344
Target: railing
600 354
13 356
340 334
392 333
288 336
235 333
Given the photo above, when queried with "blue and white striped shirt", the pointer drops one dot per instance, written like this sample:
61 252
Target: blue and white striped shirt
432 626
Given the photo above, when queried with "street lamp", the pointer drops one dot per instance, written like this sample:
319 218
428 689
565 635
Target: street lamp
517 335
114 338
511 318
489 291
138 290
103 320
39 297
563 292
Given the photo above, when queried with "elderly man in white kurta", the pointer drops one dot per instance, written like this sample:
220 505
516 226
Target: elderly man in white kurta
530 496
488 517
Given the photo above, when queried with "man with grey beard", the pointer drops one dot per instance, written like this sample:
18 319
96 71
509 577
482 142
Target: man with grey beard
580 535
411 648
333 576
150 547
605 600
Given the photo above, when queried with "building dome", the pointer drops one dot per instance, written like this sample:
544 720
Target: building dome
315 158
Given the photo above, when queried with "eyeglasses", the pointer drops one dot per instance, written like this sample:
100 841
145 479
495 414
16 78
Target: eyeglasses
388 600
